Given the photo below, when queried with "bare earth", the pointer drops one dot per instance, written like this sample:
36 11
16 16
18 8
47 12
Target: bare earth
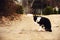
26 29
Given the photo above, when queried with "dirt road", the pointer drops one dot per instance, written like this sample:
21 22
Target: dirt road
26 29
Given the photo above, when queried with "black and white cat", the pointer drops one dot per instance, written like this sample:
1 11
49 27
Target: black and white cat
43 21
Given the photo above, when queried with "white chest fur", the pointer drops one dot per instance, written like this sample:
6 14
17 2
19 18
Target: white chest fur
38 19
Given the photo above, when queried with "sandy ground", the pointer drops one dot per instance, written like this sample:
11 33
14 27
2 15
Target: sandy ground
26 29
